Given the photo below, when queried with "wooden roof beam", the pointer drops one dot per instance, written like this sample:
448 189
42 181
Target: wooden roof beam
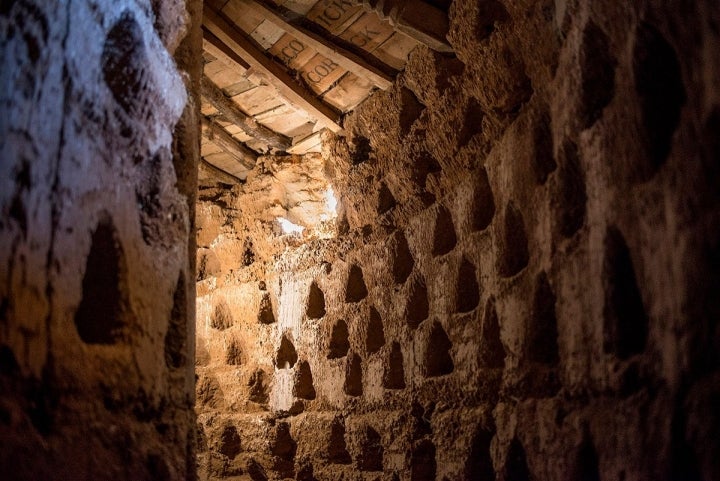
225 141
218 172
345 58
285 85
232 112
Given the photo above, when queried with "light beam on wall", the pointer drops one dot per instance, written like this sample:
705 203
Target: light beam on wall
288 227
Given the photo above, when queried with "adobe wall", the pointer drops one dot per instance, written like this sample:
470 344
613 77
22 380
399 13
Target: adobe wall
96 189
524 284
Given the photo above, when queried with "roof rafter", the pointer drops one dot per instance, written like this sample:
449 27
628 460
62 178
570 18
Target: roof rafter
345 58
285 85
225 141
232 112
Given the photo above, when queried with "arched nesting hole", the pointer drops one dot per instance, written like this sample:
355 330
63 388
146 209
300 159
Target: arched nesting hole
360 151
394 375
483 202
472 122
353 376
385 200
410 110
444 237
337 449
423 166
543 160
104 310
248 256
315 308
437 360
371 450
265 312
467 296
418 305
375 337
423 466
230 444
286 356
233 353
283 447
572 196
479 463
516 468
492 352
303 386
208 393
221 317
586 461
513 255
339 340
542 331
402 261
597 70
257 386
626 322
355 291
660 89
491 14
177 334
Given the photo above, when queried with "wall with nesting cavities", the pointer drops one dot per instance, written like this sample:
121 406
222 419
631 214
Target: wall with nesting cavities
96 191
524 282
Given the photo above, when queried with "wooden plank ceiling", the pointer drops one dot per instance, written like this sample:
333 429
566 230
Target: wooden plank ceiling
276 75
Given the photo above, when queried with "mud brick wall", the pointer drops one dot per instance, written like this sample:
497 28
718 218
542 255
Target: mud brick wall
96 286
524 283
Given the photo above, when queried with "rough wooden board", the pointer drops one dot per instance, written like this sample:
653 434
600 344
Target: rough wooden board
225 141
292 52
211 68
224 53
321 72
238 88
346 59
285 123
334 15
349 92
301 130
266 34
207 108
285 85
207 171
227 163
234 10
226 77
257 100
299 6
302 146
280 110
395 50
368 32
208 147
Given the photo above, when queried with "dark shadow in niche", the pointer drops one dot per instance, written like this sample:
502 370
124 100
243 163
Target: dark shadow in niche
258 387
303 387
402 260
222 317
337 450
286 356
230 444
339 340
572 197
542 331
176 335
248 257
492 352
586 462
483 203
468 289
394 375
123 61
233 353
660 89
418 307
315 303
410 110
371 451
104 310
491 13
626 323
479 465
361 152
543 161
208 392
284 447
423 466
265 313
386 200
597 70
353 376
256 471
444 238
355 290
424 165
516 468
438 361
513 255
472 122
375 332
